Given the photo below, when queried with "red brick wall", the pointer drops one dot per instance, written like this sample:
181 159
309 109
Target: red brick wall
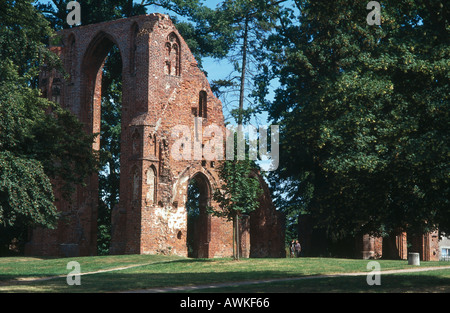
151 215
427 246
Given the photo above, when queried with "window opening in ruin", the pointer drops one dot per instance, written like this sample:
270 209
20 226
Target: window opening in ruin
198 218
172 65
101 71
151 185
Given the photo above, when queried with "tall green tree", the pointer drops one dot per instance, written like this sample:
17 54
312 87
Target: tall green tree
364 114
245 24
39 141
237 195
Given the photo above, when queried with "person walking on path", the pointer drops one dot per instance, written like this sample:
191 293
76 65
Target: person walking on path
298 248
292 248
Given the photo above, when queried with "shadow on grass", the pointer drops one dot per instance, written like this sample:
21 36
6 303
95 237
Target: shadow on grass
392 283
435 281
46 270
119 281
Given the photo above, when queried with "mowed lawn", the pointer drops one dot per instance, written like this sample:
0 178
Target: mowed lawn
135 272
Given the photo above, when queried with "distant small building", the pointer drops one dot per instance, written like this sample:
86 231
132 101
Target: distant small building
444 247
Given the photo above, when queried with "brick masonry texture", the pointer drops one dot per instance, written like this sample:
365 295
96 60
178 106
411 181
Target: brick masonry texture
162 87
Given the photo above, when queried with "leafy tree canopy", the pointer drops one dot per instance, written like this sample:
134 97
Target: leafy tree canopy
237 194
364 114
240 190
39 141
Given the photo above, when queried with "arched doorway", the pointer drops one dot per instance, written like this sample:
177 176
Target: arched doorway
198 219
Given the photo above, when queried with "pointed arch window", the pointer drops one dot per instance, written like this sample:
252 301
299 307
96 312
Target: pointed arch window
151 185
172 64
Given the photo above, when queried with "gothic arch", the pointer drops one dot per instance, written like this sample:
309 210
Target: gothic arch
98 49
205 185
91 77
198 235
151 180
172 50
145 43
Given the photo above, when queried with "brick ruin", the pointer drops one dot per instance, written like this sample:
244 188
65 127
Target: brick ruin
395 246
162 87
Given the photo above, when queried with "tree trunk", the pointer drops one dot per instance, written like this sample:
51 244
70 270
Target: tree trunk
243 72
234 239
237 235
240 116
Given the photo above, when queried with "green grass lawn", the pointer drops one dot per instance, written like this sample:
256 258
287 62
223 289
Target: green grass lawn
421 282
152 271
